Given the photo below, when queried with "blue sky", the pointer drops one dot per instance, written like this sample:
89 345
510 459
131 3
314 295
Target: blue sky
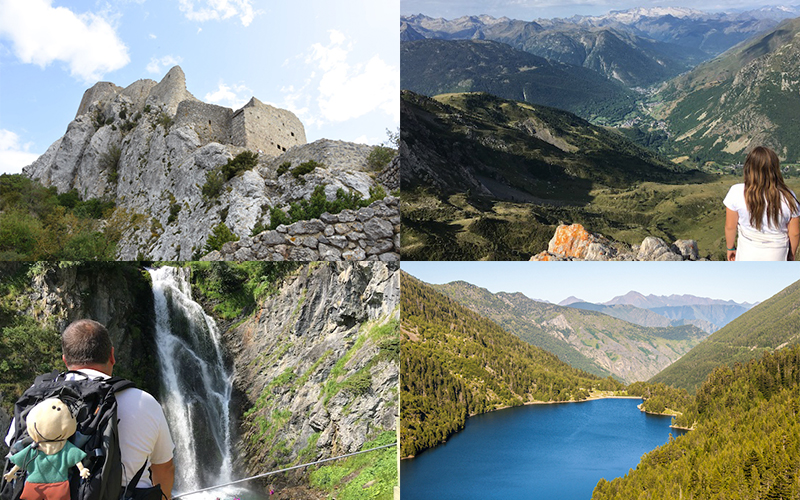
334 63
546 9
602 281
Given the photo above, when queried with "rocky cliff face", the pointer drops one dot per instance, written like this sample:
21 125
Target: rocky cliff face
316 365
119 296
151 146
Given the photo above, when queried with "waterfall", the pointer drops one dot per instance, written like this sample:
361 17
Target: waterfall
196 383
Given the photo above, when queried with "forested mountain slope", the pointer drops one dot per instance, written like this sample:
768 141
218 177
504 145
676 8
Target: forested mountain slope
434 67
746 97
455 363
746 442
771 325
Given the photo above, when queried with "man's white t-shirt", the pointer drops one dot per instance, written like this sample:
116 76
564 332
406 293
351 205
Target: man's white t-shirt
736 202
143 431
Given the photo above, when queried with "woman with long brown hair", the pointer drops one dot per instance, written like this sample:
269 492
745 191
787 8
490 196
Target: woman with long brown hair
763 210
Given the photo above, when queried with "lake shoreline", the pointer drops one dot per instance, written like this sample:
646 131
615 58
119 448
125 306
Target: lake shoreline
529 403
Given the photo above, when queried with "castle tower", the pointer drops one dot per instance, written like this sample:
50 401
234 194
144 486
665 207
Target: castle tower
261 127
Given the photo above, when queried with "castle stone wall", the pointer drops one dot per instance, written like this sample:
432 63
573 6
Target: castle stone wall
212 123
170 91
259 126
138 92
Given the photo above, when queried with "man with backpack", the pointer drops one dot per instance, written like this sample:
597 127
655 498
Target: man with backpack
142 430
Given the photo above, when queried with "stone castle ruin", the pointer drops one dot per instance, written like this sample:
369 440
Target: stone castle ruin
158 152
256 126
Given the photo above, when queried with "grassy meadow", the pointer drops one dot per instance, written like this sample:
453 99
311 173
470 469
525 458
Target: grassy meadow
456 227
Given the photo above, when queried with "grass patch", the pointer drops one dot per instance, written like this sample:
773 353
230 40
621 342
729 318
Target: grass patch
367 476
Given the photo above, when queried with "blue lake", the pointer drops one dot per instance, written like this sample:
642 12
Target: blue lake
539 452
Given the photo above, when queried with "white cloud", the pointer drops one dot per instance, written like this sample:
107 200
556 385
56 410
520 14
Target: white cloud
156 64
41 34
347 92
208 10
13 155
233 96
152 36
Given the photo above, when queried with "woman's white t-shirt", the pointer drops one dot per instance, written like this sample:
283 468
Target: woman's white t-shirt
735 201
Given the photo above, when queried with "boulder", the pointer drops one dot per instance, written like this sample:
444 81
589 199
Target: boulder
574 242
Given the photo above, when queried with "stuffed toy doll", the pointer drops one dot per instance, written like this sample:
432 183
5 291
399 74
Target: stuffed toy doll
48 460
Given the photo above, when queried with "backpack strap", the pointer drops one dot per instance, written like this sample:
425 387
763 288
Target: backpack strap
131 486
47 377
118 384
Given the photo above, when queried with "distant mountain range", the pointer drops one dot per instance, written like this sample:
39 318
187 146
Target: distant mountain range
634 298
771 325
628 351
638 47
674 310
637 299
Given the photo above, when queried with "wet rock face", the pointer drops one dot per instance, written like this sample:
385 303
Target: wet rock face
574 242
312 368
151 148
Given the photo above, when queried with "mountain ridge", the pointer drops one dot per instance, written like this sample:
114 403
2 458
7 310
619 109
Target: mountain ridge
771 325
626 350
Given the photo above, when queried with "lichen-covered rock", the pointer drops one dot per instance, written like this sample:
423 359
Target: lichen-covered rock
573 242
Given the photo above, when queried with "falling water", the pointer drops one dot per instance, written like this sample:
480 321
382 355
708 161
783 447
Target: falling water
197 385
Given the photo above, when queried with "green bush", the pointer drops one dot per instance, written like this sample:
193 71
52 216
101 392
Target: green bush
216 178
380 156
220 235
109 161
278 217
213 186
245 160
164 120
318 204
305 168
69 199
174 209
258 228
93 208
284 167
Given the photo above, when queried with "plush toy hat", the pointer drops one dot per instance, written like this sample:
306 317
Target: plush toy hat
50 423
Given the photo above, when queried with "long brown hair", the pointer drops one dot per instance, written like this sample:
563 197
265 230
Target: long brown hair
764 189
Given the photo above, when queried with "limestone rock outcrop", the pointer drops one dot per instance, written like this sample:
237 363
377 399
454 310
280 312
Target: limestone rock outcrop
150 147
319 350
574 242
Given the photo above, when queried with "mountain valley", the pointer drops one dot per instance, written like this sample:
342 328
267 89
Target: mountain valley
479 183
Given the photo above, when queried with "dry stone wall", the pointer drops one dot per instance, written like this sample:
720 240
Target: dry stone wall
370 233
